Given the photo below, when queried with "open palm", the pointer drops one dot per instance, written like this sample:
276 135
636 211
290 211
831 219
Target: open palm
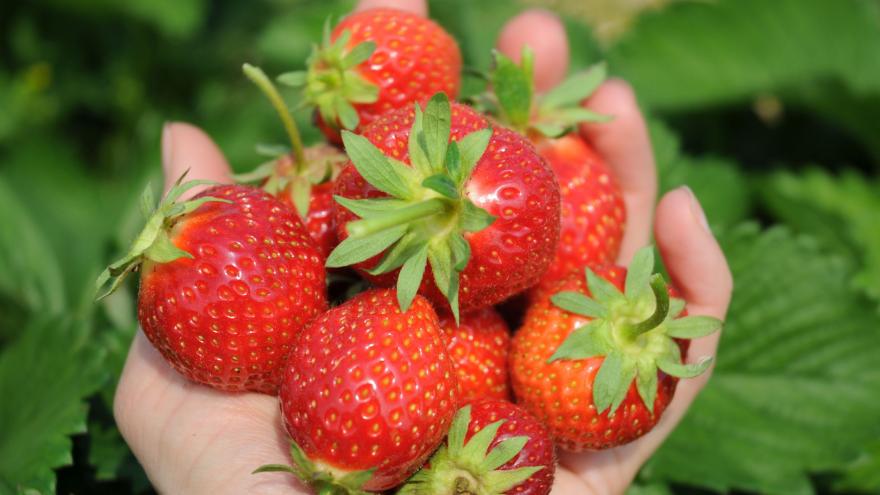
192 439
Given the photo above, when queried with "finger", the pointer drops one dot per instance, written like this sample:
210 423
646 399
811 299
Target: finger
186 147
567 483
418 7
543 32
626 147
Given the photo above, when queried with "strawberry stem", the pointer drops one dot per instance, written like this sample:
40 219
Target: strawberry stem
417 211
258 77
661 296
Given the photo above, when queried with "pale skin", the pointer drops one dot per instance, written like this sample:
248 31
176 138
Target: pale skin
194 440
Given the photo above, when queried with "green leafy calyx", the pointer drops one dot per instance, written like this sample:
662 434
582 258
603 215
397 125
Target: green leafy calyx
634 330
551 114
322 481
295 170
460 467
154 242
428 213
333 81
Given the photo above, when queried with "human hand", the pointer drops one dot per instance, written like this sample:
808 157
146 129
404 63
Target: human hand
193 439
690 253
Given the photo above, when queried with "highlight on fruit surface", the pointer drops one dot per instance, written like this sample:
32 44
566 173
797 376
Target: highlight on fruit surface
613 349
493 447
374 61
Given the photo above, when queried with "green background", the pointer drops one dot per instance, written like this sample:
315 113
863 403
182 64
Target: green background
768 109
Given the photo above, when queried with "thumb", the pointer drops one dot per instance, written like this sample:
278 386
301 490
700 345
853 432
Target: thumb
187 148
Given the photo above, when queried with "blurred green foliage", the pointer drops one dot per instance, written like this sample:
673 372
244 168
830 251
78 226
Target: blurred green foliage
767 109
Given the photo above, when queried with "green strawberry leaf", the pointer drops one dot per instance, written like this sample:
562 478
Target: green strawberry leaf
354 250
575 88
436 124
442 184
513 87
368 208
411 277
798 354
578 303
45 376
471 148
376 168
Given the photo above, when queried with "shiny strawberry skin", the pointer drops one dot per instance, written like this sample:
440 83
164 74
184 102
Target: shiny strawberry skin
593 212
370 387
414 59
560 394
511 181
478 347
538 450
227 316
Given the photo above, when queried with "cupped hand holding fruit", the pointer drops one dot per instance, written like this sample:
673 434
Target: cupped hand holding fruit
193 439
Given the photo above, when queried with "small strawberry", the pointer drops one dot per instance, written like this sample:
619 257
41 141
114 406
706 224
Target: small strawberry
478 346
593 213
477 204
493 448
302 178
599 361
367 395
227 280
375 61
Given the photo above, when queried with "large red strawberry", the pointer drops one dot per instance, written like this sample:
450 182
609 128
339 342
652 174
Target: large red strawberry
478 346
368 394
494 447
599 361
441 187
227 281
374 61
302 177
593 213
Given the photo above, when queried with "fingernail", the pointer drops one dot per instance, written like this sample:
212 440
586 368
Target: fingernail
697 210
167 146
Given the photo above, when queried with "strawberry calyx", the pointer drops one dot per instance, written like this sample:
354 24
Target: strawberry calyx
428 212
154 242
460 467
322 481
552 114
296 169
332 81
634 330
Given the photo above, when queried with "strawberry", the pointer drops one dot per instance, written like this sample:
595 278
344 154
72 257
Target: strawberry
481 209
227 280
478 346
301 178
375 61
599 361
367 395
593 213
493 447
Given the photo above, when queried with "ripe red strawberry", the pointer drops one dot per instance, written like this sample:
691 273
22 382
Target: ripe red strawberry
227 280
494 447
593 213
484 206
303 177
368 394
375 61
599 361
478 346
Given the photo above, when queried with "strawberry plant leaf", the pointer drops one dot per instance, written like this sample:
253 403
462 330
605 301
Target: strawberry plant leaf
442 184
863 474
411 277
437 122
513 87
584 342
575 88
577 303
474 218
375 167
367 208
692 327
353 250
471 149
797 354
45 375
841 212
693 54
639 273
609 380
